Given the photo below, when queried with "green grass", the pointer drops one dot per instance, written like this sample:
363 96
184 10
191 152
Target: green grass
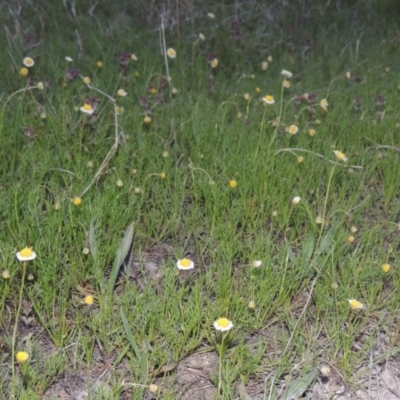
175 173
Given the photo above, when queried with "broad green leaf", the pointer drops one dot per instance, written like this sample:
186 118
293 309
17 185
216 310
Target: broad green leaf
121 255
300 385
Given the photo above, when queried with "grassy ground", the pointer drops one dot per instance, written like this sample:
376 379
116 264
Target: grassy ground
193 163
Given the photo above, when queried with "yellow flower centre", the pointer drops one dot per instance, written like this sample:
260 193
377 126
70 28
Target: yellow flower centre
386 267
87 107
22 356
293 129
185 263
77 200
223 322
26 252
24 71
232 183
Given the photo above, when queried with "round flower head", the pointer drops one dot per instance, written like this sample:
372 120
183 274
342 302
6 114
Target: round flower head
385 268
286 73
185 264
264 65
201 36
214 63
5 274
324 104
26 254
293 129
88 300
121 93
355 304
68 59
99 64
171 53
24 71
40 85
28 62
223 324
86 80
87 109
286 83
22 356
233 183
296 200
147 119
256 263
77 201
340 155
268 99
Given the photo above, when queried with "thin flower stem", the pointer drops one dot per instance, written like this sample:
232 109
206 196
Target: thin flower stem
15 331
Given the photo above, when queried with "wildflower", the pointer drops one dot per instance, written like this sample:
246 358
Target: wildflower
26 254
90 164
22 357
86 80
5 274
300 159
57 206
85 251
386 268
99 64
43 115
251 305
286 84
147 119
163 175
214 63
40 85
232 183
355 304
121 93
340 155
246 96
211 15
138 190
258 90
120 183
30 277
185 264
165 154
120 110
319 220
324 104
171 53
87 109
268 99
296 200
174 90
325 370
28 62
274 213
351 239
223 324
334 285
293 129
269 58
77 201
153 388
264 65
89 300
256 263
68 59
133 57
153 90
201 36
348 74
286 73
353 229
24 71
